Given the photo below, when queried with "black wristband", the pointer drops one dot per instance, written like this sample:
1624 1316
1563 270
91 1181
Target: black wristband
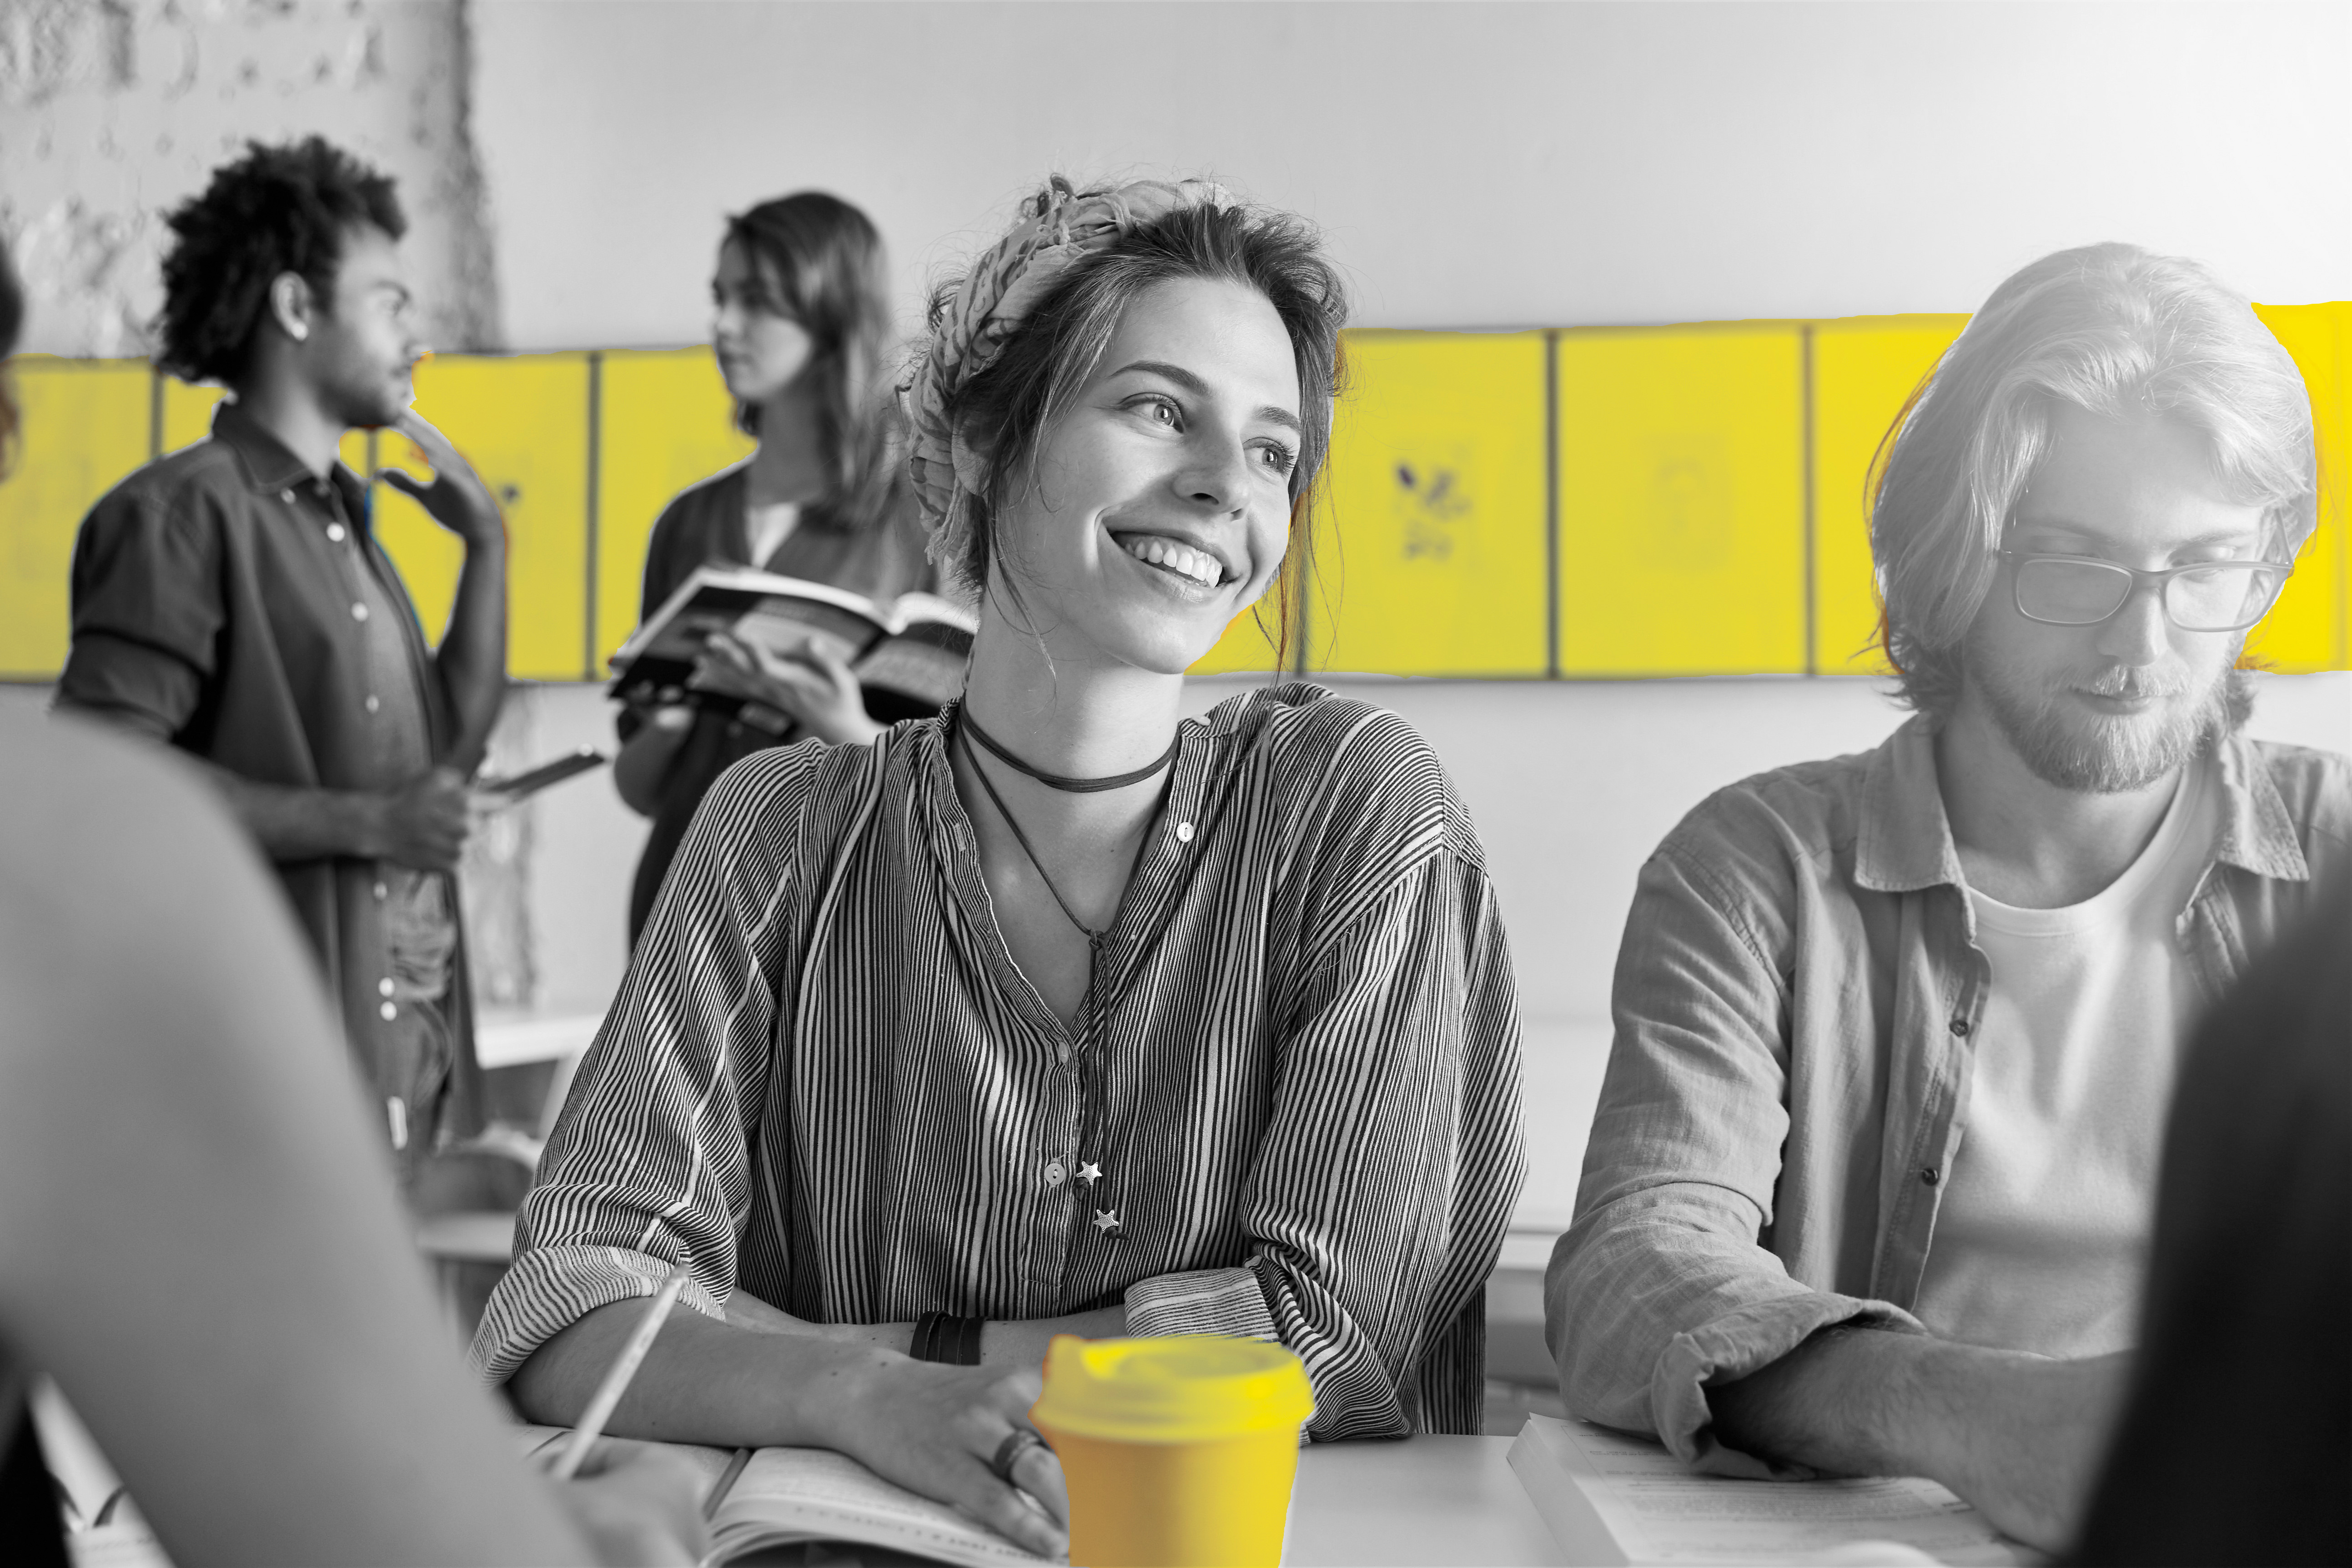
945 1337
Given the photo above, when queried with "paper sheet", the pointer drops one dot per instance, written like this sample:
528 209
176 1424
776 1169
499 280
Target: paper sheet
1588 1482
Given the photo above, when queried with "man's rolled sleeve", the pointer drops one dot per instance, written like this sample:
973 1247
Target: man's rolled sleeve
1663 1285
147 612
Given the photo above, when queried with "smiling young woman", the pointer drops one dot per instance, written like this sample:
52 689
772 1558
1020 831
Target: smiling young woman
1057 1013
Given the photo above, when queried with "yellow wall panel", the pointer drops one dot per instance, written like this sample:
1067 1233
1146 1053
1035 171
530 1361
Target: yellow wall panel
1430 551
668 422
187 412
1680 500
86 425
1863 369
522 422
2306 628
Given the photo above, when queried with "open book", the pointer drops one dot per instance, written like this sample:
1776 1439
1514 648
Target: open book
909 654
1612 1499
778 1496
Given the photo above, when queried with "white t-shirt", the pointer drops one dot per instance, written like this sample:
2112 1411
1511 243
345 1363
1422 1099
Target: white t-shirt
2041 1239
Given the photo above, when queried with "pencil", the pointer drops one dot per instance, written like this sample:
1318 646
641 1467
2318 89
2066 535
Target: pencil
616 1382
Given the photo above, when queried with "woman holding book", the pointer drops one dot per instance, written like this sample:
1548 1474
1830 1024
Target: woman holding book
1058 1013
800 320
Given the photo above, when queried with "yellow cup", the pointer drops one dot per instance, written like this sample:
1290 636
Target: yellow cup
1179 1451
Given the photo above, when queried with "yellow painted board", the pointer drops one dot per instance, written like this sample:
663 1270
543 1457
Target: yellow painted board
1865 368
86 425
1680 500
522 421
667 422
1429 550
2306 630
187 412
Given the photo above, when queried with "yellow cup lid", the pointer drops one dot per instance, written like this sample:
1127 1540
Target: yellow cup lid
1177 1388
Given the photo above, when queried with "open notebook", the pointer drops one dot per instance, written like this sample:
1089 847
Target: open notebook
1609 1498
778 1496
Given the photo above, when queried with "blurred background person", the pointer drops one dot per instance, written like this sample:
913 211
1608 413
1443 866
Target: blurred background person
2235 1444
231 600
801 323
193 1242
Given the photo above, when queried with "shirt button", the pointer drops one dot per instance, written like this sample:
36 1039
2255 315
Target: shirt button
1062 1052
1931 1175
286 496
380 890
1961 1027
1054 1174
358 612
384 986
335 533
389 1012
1183 833
374 702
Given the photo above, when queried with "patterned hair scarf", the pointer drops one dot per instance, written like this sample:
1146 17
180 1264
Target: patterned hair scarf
1003 286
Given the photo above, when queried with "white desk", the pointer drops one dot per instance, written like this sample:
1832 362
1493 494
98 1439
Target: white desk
1436 1500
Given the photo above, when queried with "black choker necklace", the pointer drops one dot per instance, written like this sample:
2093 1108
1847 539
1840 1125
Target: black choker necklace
1062 780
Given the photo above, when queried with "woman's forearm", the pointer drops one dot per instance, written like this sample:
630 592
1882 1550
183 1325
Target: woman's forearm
703 1381
643 765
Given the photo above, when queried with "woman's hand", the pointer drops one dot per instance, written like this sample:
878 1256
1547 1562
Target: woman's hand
810 685
933 1429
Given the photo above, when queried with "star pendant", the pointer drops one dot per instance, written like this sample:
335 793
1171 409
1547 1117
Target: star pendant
1090 1172
1106 1220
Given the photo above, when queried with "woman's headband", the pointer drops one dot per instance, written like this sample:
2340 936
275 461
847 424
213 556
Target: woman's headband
1003 287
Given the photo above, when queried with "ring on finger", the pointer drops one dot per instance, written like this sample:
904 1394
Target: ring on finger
1017 1442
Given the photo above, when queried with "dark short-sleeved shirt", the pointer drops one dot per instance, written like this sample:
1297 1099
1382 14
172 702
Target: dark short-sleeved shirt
230 602
706 525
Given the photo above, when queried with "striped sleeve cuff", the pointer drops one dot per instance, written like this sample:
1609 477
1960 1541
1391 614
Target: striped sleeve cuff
1203 1302
551 1289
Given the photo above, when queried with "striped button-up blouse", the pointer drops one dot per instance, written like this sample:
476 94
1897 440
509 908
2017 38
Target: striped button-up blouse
826 1082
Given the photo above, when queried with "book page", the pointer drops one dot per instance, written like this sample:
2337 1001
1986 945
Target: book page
795 1494
1659 1511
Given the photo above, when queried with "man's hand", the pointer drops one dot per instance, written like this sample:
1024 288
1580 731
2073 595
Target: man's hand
2019 1435
638 1507
2028 1453
426 825
811 686
456 499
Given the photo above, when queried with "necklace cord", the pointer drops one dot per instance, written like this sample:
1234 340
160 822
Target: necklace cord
1093 1071
1067 784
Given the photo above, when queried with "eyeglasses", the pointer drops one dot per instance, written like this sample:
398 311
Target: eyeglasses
2202 597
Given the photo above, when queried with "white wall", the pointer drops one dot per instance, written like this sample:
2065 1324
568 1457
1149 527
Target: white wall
1475 165
111 115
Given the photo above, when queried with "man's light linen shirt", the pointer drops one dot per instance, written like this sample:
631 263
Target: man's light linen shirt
2041 1237
1795 1003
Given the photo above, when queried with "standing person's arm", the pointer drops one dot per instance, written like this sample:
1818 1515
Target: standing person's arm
652 735
472 659
1663 1308
148 616
195 1241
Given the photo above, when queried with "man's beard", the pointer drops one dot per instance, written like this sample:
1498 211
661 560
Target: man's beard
2095 755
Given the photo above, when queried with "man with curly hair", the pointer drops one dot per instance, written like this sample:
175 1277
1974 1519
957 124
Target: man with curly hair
1871 1185
231 600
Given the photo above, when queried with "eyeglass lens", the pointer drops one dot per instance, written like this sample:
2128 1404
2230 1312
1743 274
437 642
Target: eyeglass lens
2221 597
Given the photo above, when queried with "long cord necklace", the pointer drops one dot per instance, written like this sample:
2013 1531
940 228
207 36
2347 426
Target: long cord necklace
1091 1065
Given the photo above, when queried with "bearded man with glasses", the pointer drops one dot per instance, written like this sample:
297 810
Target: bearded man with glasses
1870 1185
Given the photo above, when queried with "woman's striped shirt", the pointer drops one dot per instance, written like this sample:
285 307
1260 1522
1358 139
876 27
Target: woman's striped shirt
826 1082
